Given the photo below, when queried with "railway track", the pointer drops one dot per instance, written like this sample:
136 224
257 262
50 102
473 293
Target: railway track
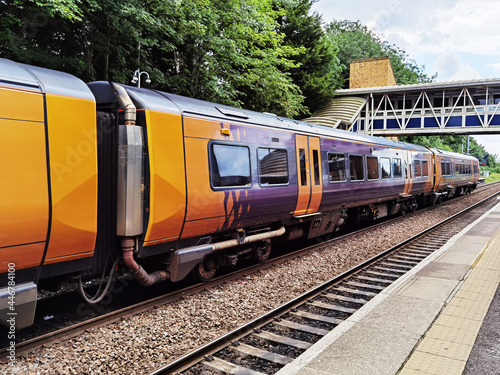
113 316
273 340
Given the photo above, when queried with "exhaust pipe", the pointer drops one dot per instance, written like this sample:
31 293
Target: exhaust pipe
126 103
129 195
142 277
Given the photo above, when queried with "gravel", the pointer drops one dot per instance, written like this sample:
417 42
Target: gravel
141 343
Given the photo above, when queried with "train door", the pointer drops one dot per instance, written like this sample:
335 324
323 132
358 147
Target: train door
24 192
408 173
309 174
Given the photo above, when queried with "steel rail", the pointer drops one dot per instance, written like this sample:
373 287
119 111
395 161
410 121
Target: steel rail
197 355
113 316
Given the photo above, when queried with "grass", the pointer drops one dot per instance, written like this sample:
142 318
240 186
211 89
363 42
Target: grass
493 177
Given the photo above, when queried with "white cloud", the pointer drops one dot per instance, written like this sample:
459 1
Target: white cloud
456 37
490 142
493 69
451 68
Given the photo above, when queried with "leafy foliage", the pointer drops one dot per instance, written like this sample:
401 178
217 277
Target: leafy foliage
454 143
355 41
318 69
223 51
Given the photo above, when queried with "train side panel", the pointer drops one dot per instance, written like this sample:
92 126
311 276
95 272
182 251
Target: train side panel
73 158
167 177
357 173
24 196
423 174
454 173
222 167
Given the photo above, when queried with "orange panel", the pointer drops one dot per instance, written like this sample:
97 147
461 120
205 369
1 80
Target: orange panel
202 227
167 184
21 105
317 189
25 256
73 162
23 186
304 191
68 258
197 128
203 202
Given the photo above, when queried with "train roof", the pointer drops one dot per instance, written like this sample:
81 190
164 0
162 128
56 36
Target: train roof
452 154
166 102
33 78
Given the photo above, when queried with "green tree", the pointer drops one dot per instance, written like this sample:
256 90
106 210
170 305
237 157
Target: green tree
455 143
355 41
318 69
223 51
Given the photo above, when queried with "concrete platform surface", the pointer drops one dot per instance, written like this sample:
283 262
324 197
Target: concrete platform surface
441 318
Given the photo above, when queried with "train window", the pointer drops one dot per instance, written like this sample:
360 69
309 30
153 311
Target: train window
448 168
443 168
230 165
425 168
372 166
273 166
385 166
316 167
475 170
397 169
303 169
356 167
418 168
336 167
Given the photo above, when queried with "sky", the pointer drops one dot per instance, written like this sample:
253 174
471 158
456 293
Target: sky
457 39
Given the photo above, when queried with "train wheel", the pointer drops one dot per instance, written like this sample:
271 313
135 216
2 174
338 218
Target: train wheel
404 209
205 270
414 205
262 251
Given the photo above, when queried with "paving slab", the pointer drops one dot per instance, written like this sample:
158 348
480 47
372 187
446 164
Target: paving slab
484 358
406 329
430 288
445 270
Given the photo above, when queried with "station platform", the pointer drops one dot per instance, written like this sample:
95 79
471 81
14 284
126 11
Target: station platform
442 318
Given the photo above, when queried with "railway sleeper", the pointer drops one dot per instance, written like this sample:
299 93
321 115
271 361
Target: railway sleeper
388 275
389 270
372 279
332 307
408 258
345 299
301 327
225 367
346 289
365 285
272 337
247 350
316 317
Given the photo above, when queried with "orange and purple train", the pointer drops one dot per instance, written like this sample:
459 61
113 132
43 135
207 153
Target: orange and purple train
161 185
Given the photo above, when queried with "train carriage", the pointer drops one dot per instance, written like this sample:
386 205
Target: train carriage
161 185
455 174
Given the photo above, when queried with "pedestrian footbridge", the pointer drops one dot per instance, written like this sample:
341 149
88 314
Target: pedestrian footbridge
462 107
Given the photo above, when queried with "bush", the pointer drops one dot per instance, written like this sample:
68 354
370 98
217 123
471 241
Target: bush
493 177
